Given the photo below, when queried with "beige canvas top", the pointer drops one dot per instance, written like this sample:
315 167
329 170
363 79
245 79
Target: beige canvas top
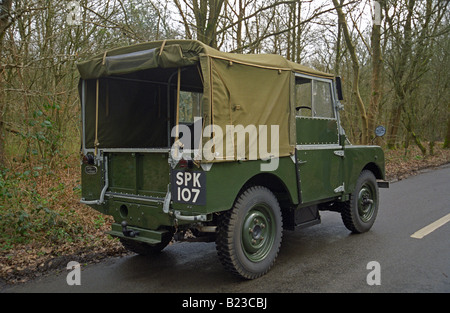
175 53
238 89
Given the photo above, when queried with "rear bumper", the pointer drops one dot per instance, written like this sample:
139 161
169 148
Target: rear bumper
151 237
382 184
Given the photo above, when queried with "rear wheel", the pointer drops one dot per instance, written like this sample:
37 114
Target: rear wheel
360 212
249 235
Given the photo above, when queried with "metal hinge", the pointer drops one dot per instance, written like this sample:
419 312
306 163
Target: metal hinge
339 189
339 153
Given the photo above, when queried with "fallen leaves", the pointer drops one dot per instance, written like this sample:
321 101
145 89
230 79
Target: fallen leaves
401 164
63 230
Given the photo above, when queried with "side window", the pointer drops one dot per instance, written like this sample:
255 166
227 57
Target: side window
323 104
303 96
189 106
313 98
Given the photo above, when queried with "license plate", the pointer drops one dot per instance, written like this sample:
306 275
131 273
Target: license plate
188 187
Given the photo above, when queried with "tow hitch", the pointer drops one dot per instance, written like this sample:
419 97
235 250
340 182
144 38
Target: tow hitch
128 232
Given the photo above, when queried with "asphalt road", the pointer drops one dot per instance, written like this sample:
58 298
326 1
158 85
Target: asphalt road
322 258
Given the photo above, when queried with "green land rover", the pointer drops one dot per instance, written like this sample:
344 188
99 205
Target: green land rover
177 137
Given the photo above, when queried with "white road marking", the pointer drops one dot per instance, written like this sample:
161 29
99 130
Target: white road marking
430 228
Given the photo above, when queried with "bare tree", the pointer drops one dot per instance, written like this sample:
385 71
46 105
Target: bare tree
205 15
413 29
375 45
5 22
356 70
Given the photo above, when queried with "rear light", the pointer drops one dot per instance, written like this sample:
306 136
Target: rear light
88 159
186 163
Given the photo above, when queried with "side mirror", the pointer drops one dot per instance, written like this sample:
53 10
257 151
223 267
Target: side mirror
380 131
339 88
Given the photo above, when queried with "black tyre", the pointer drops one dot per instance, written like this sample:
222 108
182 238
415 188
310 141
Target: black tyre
360 212
249 235
143 248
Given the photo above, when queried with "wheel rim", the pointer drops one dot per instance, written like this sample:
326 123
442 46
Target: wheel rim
366 202
258 232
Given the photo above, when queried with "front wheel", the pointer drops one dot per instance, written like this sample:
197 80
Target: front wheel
360 212
249 235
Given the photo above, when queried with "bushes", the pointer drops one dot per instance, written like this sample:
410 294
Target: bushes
42 221
35 205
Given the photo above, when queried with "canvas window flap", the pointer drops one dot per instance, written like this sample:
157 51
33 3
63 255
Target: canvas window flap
249 100
131 59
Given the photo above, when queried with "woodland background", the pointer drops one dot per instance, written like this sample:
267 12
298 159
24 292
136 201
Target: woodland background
395 73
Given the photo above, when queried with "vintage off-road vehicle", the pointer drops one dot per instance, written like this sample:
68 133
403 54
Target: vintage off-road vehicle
178 136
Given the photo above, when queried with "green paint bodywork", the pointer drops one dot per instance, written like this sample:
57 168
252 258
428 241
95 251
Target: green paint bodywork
314 131
145 174
321 171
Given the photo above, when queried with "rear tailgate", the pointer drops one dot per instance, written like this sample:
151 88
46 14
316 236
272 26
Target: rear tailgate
144 174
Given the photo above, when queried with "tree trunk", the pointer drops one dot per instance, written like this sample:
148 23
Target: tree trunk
373 110
5 8
355 66
410 130
206 14
241 11
298 48
394 124
400 65
337 63
447 137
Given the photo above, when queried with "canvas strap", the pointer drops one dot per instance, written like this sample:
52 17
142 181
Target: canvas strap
96 143
178 107
162 47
